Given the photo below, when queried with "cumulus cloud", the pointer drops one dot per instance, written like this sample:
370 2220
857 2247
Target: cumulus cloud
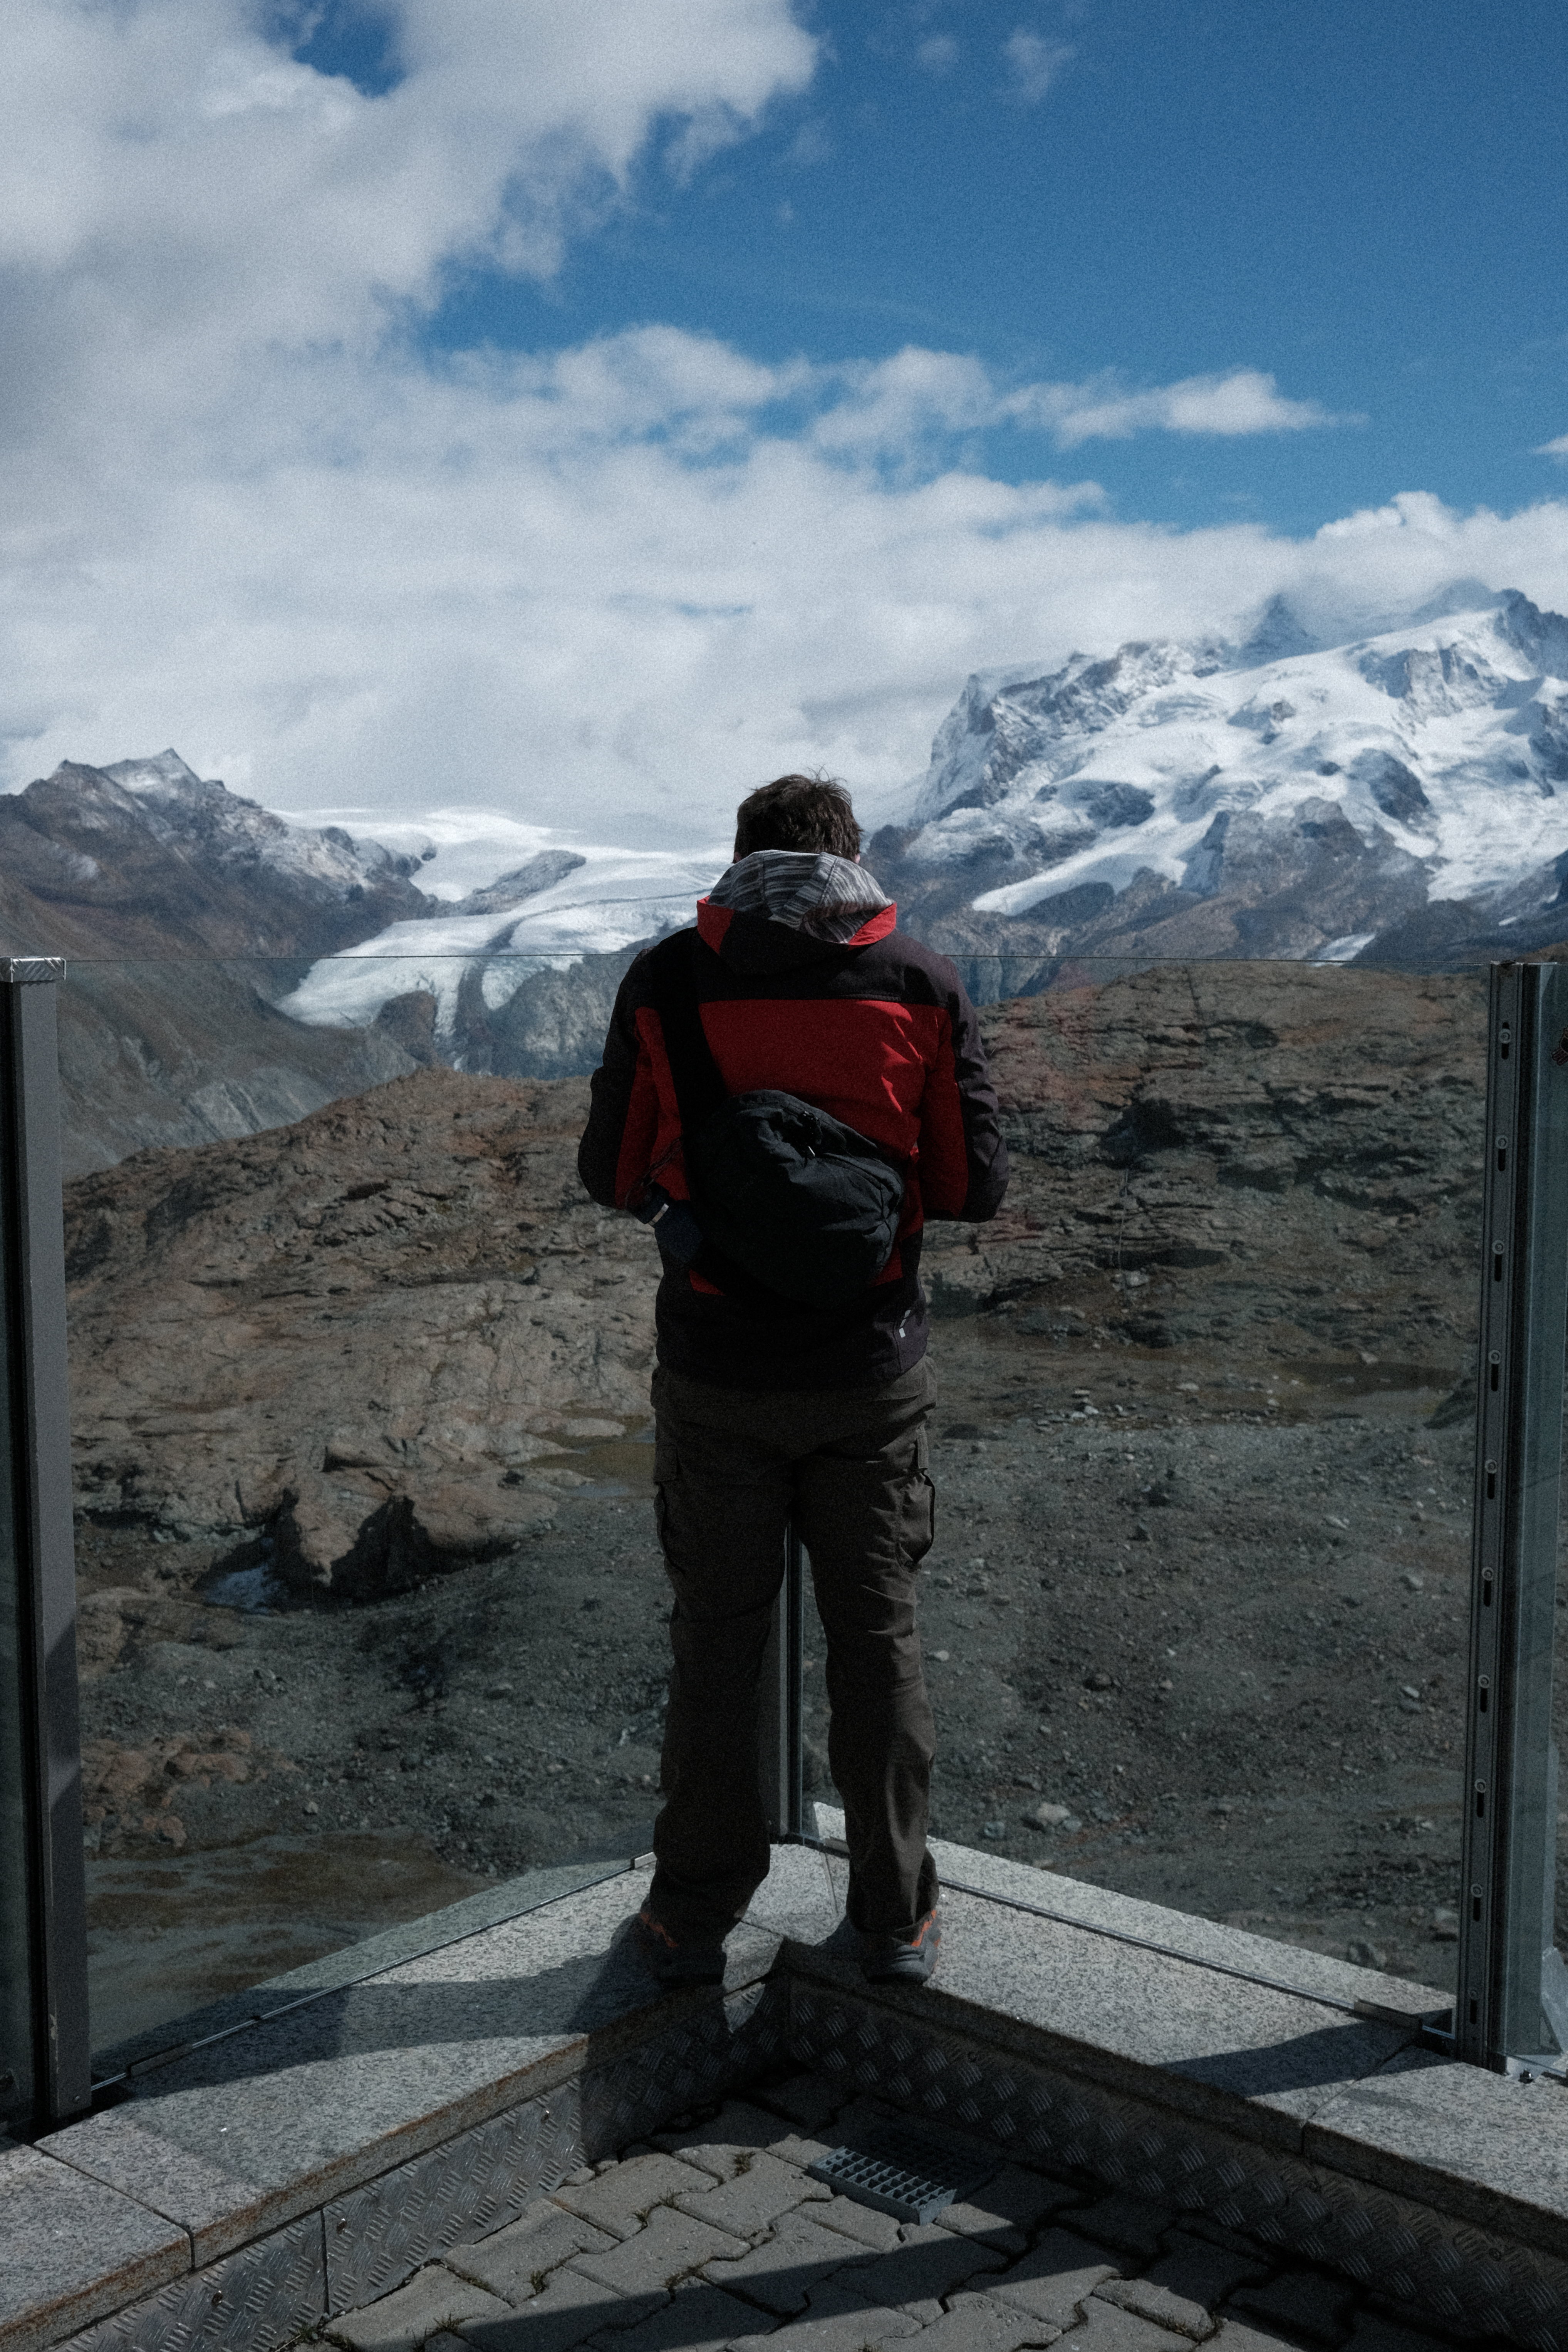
1244 401
893 402
1035 65
1558 448
621 582
614 585
196 184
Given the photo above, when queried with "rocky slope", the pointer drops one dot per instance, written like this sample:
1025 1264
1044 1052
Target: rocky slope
356 1336
183 912
348 1340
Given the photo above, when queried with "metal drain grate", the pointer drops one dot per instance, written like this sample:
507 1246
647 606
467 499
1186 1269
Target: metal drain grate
904 2173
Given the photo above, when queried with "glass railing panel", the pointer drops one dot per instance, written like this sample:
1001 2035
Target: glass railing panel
372 1608
1557 1802
1196 1618
371 1613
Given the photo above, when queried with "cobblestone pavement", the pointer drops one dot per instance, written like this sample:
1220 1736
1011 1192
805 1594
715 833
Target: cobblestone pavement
713 2235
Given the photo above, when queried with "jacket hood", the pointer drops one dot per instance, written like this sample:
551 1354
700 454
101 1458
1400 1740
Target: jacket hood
781 906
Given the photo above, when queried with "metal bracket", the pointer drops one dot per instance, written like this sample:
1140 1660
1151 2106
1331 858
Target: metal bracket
782 1714
31 972
1550 2063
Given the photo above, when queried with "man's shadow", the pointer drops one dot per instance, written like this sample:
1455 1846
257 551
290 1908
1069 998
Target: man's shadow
410 2033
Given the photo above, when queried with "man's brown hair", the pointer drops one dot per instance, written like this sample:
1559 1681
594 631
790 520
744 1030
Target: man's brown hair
797 813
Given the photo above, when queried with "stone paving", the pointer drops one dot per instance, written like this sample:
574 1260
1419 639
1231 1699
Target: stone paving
714 2236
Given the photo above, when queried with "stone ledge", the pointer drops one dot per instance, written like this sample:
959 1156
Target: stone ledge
235 2140
313 2162
74 2248
1356 2093
1256 2061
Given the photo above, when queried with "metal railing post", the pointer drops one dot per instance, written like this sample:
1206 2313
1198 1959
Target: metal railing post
780 1716
44 2052
1512 1998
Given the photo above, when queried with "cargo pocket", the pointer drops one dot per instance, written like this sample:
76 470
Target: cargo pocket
916 1531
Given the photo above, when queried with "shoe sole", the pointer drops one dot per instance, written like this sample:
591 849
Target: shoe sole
921 1973
905 1963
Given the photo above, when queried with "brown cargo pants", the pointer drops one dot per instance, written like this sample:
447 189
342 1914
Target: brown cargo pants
852 1466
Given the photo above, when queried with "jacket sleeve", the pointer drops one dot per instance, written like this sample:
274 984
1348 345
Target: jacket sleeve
964 1161
623 1117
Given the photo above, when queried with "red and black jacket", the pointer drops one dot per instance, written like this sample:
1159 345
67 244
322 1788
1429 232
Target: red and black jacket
879 1033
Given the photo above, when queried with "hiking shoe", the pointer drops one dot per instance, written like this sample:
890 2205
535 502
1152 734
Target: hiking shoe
901 1960
676 1960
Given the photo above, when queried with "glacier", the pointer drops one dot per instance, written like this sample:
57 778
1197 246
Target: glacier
568 902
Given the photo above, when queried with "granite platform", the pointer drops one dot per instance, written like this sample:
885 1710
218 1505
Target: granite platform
243 2191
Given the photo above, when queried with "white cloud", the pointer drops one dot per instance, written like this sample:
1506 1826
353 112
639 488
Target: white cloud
1415 511
619 583
1558 448
607 582
938 53
192 178
1244 400
896 404
1035 64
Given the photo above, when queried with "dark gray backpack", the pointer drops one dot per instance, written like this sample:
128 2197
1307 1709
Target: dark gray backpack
787 1202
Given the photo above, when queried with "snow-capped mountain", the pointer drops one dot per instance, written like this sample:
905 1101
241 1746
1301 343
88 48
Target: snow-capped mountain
231 970
1388 798
183 910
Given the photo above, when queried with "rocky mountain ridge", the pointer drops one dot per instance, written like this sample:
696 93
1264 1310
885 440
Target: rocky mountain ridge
144 858
230 971
183 911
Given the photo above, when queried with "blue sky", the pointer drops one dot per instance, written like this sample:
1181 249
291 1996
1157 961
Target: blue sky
590 409
1369 202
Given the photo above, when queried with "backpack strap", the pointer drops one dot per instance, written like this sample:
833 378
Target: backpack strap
699 1090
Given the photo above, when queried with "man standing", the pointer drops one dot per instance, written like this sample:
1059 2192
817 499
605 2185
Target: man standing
765 1406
